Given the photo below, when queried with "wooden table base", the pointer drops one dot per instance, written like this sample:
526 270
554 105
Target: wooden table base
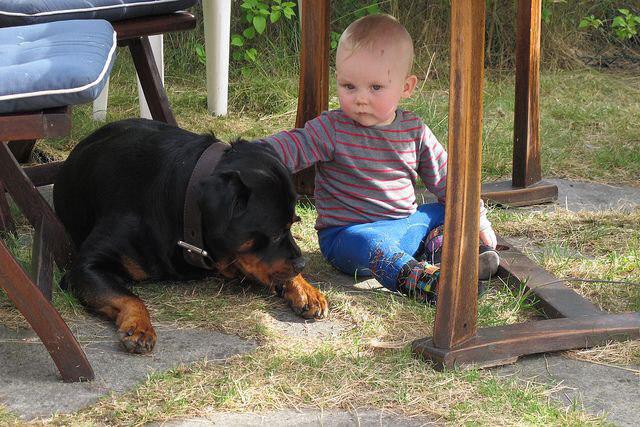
576 322
506 194
502 345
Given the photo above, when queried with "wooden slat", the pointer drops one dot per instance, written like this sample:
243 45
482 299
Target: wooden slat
44 319
44 174
313 90
526 135
21 149
42 259
152 25
504 193
50 123
457 307
32 205
150 80
504 344
6 220
555 299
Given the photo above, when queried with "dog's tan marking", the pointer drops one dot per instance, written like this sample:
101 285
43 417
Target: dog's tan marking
227 269
133 322
252 266
134 270
246 246
304 299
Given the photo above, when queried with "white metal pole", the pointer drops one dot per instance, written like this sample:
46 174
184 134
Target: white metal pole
100 104
217 33
157 46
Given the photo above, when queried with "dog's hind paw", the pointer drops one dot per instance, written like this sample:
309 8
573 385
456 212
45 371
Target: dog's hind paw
304 299
138 338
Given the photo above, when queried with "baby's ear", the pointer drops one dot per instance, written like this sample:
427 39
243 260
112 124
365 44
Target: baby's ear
409 85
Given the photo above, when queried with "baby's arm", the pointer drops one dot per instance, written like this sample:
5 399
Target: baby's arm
303 147
432 164
433 172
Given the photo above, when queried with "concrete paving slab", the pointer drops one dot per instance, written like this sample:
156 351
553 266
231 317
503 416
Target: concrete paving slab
290 324
597 389
369 417
589 196
580 196
30 385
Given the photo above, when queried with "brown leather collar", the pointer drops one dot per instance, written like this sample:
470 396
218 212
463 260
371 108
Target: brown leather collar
192 243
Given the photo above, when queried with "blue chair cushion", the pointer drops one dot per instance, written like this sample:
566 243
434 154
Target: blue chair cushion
54 64
20 12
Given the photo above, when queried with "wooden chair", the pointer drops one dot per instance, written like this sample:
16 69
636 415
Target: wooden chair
27 113
19 131
573 321
32 295
133 29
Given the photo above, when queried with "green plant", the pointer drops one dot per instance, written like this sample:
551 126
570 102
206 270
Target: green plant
547 11
256 14
624 25
590 22
200 53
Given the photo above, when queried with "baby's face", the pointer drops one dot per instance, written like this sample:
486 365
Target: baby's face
371 83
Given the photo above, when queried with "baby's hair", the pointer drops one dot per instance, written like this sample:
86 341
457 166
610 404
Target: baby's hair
370 31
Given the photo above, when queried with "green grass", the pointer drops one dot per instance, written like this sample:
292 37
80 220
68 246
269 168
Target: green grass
590 131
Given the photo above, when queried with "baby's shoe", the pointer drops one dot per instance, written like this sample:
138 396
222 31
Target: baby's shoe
431 252
421 283
488 262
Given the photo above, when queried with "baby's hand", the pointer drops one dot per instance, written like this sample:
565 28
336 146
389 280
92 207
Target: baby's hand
488 237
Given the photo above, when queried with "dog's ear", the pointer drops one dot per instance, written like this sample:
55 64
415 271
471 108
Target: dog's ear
223 196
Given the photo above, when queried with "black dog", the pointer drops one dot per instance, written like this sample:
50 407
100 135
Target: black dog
121 196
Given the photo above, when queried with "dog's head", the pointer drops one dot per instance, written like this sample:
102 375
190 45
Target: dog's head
248 207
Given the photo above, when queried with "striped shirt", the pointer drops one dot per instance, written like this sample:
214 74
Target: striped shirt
365 174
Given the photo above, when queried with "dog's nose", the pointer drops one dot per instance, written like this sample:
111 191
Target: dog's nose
298 264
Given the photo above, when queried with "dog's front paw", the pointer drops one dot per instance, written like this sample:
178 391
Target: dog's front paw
304 299
137 336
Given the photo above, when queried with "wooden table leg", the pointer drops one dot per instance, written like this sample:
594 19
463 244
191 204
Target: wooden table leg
456 340
526 127
457 307
313 92
44 319
526 186
501 345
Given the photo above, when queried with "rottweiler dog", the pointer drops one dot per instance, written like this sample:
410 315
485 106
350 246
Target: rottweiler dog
121 197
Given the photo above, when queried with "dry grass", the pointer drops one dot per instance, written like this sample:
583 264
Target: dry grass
348 370
617 354
590 245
